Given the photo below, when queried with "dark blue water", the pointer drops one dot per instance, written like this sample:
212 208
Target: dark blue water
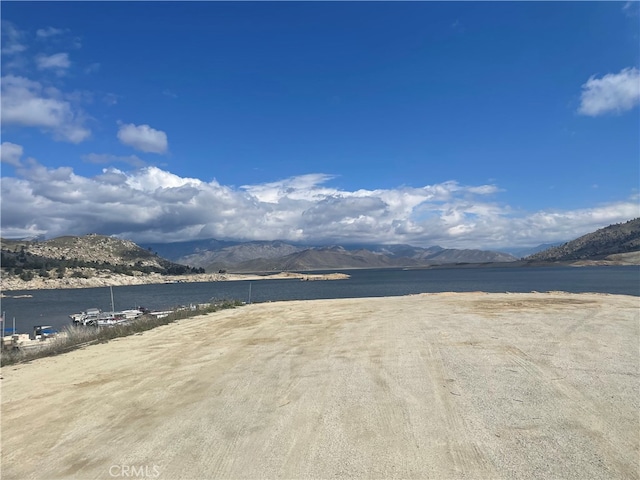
52 307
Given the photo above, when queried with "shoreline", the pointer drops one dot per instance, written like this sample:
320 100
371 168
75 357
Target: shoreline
101 279
115 280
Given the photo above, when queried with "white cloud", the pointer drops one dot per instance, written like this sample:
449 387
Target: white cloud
48 32
55 61
143 138
13 48
615 92
10 153
151 204
26 103
299 188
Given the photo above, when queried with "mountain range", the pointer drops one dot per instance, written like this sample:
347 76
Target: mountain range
213 255
87 255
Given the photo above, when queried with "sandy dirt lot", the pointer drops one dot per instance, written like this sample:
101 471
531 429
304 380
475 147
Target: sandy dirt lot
435 386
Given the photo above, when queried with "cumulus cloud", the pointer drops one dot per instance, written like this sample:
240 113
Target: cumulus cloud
56 61
298 188
613 93
27 103
143 138
151 204
10 153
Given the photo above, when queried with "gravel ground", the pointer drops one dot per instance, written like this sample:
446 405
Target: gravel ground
439 386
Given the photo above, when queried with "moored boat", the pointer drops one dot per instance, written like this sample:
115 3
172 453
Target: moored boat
88 317
96 317
44 332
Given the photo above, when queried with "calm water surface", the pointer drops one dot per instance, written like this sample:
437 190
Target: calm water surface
52 307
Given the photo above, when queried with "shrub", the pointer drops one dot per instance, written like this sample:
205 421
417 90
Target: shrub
26 275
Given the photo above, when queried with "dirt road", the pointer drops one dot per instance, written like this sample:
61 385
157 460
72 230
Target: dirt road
428 386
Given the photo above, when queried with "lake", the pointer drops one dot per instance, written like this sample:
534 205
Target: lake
52 307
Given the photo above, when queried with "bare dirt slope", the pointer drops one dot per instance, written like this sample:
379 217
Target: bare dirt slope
428 386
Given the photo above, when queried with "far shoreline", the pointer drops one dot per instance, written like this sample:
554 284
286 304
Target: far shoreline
108 279
119 280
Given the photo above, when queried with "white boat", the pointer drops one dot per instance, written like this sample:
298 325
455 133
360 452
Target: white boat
111 321
43 332
96 317
129 314
87 317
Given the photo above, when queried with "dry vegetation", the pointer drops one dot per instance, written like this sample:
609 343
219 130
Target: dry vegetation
74 337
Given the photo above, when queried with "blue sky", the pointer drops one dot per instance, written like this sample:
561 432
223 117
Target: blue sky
463 124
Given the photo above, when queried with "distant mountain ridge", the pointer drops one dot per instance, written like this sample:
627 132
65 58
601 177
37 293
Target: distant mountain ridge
615 239
523 252
257 256
232 255
339 257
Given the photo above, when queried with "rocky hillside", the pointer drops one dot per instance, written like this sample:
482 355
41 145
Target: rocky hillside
82 256
614 239
89 248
